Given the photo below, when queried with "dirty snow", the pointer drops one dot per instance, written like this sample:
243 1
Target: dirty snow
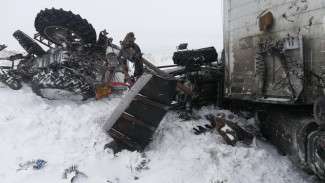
67 133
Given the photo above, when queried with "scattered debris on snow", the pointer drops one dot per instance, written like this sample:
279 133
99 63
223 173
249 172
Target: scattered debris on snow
65 133
36 164
72 173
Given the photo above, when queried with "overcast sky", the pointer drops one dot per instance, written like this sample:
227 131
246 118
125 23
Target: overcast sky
158 25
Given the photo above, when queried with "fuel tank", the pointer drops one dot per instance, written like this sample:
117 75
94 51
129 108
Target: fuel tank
295 133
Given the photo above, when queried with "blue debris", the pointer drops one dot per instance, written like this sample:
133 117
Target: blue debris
39 164
36 164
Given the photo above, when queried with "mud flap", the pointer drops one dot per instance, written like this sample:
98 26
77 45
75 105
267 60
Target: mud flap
136 118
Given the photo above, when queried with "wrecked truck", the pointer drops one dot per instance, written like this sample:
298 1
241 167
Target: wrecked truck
272 66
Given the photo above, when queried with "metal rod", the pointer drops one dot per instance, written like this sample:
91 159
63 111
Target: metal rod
114 133
151 102
141 123
153 67
162 73
166 66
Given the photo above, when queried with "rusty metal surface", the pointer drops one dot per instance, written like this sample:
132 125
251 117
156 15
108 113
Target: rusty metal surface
242 39
141 123
265 21
120 138
151 102
231 132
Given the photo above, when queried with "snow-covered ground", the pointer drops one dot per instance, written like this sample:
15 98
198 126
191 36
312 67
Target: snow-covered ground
66 133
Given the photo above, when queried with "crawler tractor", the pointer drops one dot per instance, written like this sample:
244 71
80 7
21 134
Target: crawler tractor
75 66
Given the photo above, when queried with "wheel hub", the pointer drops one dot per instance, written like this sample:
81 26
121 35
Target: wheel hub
61 35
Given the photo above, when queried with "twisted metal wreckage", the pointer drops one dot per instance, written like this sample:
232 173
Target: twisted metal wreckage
276 87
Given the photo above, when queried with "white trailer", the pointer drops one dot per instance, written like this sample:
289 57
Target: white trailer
274 50
275 54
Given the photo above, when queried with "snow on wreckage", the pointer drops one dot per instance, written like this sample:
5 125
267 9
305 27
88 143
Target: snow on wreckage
78 64
75 65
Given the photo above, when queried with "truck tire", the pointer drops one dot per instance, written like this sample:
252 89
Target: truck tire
28 43
61 26
61 85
